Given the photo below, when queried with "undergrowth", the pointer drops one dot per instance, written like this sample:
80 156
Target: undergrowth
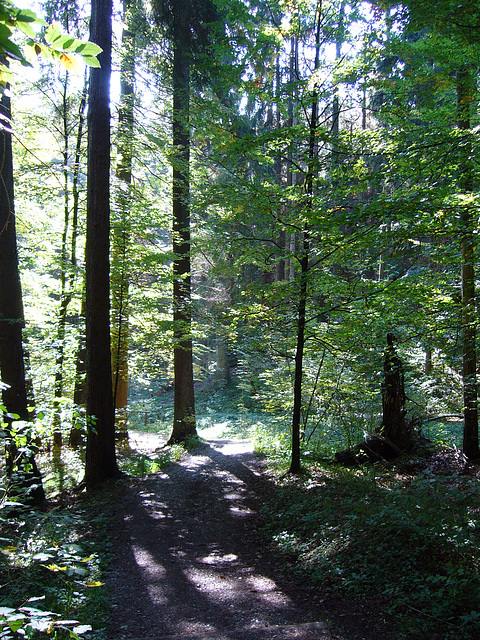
52 572
405 538
52 561
142 464
408 542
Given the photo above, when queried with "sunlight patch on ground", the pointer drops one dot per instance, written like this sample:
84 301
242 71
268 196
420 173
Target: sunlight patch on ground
215 431
241 511
233 496
194 462
214 558
232 447
148 564
218 586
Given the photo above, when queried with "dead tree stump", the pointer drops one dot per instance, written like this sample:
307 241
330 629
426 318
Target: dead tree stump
395 429
395 435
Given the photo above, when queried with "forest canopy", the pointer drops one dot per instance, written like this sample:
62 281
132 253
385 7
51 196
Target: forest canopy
287 184
247 218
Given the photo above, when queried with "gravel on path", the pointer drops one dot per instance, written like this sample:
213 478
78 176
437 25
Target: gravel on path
190 563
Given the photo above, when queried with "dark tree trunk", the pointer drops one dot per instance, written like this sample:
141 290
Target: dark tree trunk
295 464
121 232
100 460
65 295
68 261
395 429
12 366
75 438
465 97
336 98
79 390
184 400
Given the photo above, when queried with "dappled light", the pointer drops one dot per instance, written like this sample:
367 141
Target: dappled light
239 320
192 540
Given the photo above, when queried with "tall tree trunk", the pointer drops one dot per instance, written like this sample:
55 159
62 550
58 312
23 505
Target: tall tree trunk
75 438
280 266
336 98
121 233
100 459
184 400
79 389
12 366
295 464
291 176
65 291
465 99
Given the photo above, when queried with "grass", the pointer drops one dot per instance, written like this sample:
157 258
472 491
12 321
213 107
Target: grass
406 538
52 562
52 566
409 541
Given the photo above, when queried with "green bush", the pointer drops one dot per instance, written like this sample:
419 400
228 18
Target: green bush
412 543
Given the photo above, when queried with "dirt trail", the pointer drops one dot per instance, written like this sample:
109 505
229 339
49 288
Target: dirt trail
190 564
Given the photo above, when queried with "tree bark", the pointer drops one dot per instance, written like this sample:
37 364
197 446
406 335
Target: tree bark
465 97
184 400
394 426
100 460
121 231
12 366
295 464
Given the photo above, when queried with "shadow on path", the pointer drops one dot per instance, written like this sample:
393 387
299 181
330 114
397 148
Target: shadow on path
190 564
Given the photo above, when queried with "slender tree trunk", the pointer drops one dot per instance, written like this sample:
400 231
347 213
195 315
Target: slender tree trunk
79 391
428 360
12 366
65 296
121 233
295 464
465 98
336 98
75 438
293 75
184 400
100 459
280 266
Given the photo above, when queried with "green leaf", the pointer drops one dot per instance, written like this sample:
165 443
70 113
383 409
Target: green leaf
64 43
91 61
88 48
12 50
52 33
5 75
26 15
26 28
16 621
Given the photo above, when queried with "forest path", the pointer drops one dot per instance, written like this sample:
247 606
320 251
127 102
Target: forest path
190 564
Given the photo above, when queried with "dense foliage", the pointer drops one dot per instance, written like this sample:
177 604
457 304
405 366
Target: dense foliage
319 163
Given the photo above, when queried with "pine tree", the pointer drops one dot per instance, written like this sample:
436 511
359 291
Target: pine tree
100 459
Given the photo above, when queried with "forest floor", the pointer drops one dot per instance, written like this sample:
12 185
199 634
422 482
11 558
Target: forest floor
190 562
